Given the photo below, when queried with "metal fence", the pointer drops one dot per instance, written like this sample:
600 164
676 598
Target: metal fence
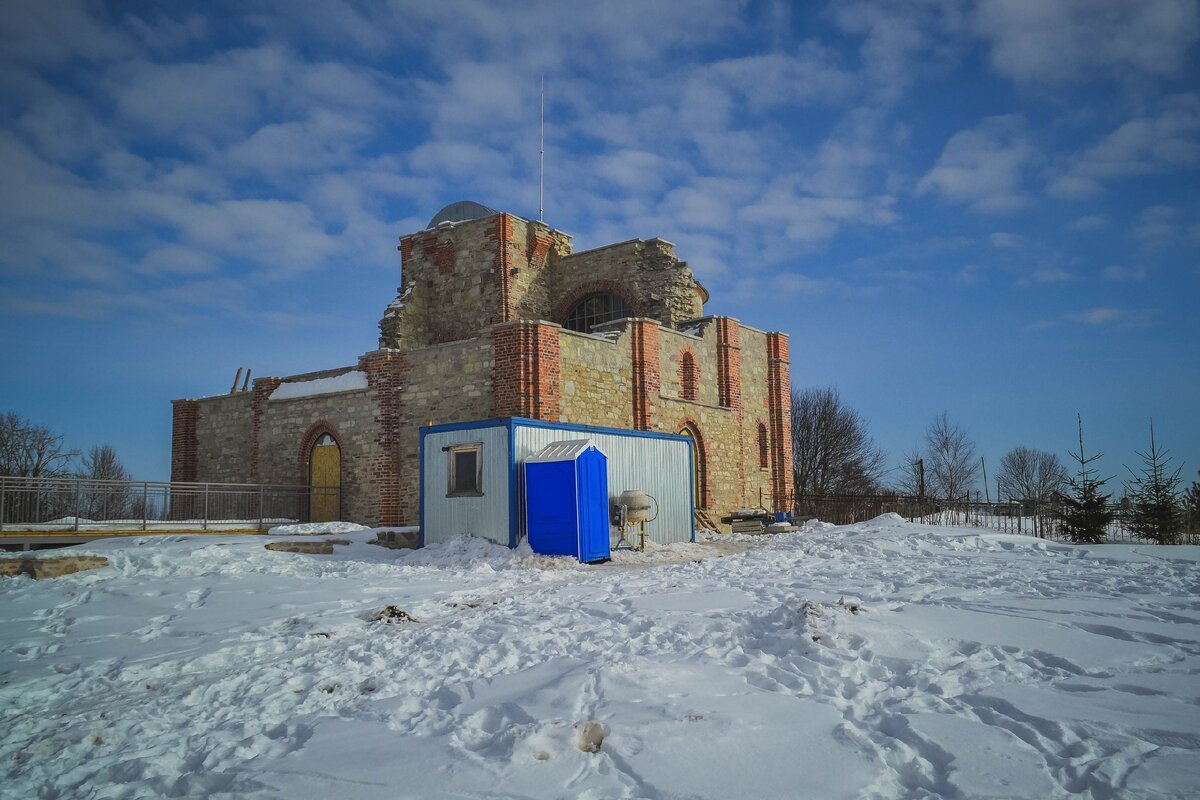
1025 519
81 504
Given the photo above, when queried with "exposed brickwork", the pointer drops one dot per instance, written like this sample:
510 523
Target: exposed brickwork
647 378
764 447
689 376
314 432
386 371
779 400
700 466
526 377
501 238
729 362
444 257
565 303
539 247
258 407
405 248
184 445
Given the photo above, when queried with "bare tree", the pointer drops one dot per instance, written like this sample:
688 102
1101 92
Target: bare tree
832 452
1031 476
108 494
911 480
31 451
951 465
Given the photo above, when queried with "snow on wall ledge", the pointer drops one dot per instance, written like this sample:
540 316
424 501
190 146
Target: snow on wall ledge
346 382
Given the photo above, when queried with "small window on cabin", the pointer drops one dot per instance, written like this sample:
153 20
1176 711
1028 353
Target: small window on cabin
466 470
596 309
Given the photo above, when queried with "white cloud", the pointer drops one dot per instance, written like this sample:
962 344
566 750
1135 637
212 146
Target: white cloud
1143 146
1006 240
969 275
1090 222
1157 226
982 167
1045 275
1073 40
1097 316
1122 274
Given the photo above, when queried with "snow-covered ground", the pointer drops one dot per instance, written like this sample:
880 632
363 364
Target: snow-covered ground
884 659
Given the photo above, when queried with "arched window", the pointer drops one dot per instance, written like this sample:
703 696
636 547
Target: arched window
596 309
688 379
764 450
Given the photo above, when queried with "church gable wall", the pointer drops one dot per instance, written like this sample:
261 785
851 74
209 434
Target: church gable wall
645 273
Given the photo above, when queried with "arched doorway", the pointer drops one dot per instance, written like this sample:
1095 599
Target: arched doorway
325 480
698 468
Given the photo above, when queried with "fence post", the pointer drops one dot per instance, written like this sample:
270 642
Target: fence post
2 482
260 508
204 522
145 503
78 500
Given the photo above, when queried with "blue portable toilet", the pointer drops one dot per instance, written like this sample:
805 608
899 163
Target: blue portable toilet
566 501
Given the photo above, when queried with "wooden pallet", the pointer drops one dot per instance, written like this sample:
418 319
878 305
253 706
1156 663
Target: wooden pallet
705 521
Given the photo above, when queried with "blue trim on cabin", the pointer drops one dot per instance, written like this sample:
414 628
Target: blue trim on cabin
512 423
421 490
514 524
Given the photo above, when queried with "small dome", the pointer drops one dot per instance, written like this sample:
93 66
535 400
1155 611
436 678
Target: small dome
461 211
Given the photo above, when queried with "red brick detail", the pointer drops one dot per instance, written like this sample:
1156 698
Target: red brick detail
703 490
563 307
387 373
502 236
259 396
314 432
729 362
779 407
764 447
689 377
444 257
405 248
526 377
184 444
647 380
539 248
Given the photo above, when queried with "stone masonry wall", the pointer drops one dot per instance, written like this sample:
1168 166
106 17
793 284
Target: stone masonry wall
645 273
223 439
597 379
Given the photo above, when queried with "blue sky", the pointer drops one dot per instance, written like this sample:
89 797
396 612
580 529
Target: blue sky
983 207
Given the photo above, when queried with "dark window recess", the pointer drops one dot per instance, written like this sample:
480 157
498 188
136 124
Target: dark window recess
465 477
596 309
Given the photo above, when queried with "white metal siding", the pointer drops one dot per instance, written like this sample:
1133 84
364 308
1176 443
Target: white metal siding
657 466
486 516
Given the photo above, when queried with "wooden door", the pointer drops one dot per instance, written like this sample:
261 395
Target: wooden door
325 480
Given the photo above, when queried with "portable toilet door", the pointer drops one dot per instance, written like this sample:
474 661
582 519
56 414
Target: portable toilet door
566 501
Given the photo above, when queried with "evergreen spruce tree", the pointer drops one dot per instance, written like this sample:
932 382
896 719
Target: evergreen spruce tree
1085 513
1155 494
1191 507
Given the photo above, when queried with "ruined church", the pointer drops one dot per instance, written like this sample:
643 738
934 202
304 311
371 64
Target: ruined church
498 316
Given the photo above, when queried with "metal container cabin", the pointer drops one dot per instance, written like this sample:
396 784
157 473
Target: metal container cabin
657 463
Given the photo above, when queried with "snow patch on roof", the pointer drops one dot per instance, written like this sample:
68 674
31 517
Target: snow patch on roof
346 382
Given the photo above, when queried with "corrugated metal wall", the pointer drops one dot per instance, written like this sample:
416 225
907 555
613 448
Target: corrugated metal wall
658 466
486 516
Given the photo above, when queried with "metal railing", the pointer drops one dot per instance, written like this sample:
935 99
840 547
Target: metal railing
1014 517
83 504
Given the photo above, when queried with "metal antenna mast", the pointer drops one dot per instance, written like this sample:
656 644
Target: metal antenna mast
542 149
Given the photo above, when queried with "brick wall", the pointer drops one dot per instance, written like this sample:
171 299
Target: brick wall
779 401
184 445
647 371
526 378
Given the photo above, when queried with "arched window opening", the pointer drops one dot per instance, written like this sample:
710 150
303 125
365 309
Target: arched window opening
699 467
596 309
688 377
764 449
